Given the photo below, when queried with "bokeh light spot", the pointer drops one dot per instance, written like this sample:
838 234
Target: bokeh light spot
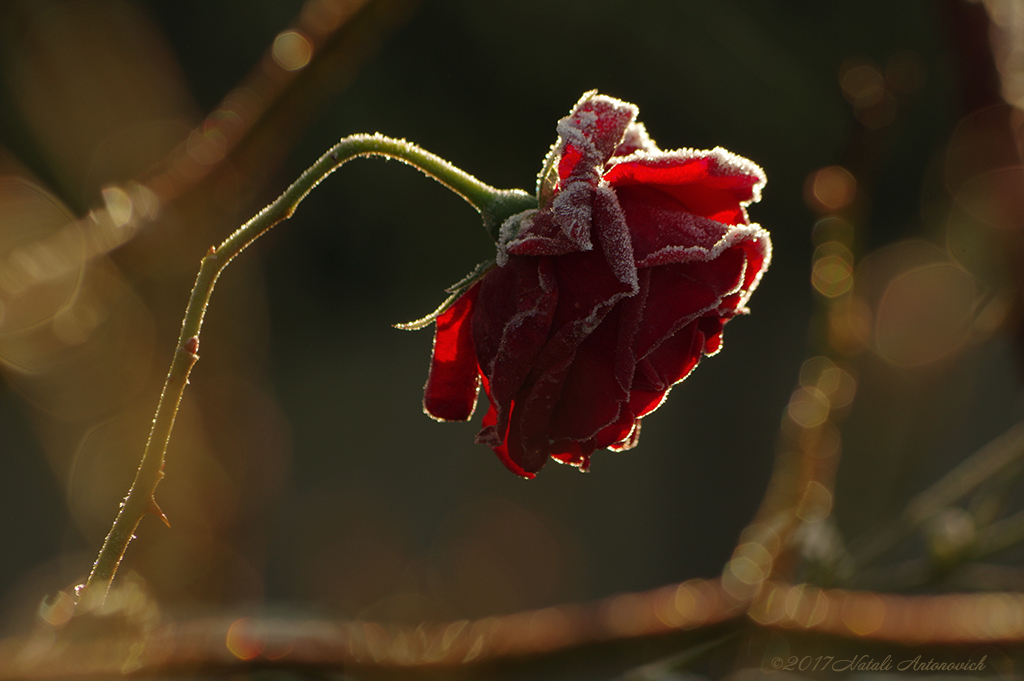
925 314
292 50
808 407
806 606
862 82
240 640
833 228
830 189
208 146
816 503
751 563
57 610
118 204
832 272
770 607
863 613
837 385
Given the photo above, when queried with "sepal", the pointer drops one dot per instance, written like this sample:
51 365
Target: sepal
456 290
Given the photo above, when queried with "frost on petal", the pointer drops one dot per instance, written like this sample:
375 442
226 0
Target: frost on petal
591 133
663 234
635 139
538 235
452 385
509 232
571 212
758 249
613 234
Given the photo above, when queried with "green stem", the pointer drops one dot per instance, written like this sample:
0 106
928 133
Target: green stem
493 204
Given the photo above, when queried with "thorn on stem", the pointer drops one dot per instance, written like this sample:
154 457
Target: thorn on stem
155 510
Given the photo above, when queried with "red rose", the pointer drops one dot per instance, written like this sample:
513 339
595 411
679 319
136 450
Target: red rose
603 297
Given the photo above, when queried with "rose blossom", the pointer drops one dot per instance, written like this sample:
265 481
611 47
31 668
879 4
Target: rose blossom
603 297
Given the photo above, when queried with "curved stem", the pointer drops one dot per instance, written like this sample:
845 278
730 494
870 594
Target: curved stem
493 204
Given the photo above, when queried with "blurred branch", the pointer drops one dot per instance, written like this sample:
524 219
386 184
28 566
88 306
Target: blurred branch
950 619
259 120
680 614
248 132
226 644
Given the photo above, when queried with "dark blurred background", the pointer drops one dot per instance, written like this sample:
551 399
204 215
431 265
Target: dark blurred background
302 472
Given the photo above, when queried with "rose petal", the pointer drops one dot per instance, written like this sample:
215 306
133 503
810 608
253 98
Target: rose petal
520 300
671 362
529 442
712 184
591 133
591 396
452 384
759 254
662 231
635 139
573 453
497 442
681 293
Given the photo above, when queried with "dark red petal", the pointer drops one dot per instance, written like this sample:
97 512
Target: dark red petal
529 441
496 441
539 235
681 293
573 453
625 437
670 363
676 357
663 231
516 304
591 396
451 390
711 329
